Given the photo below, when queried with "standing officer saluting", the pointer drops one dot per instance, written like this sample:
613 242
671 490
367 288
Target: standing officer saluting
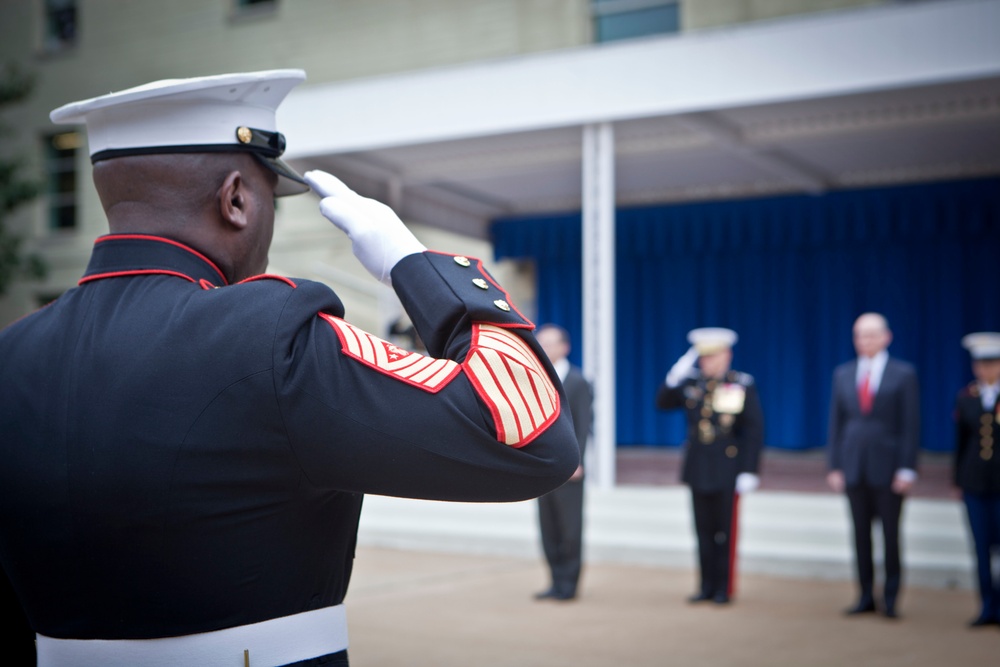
725 436
186 441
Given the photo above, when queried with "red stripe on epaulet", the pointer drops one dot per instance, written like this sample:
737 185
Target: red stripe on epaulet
268 276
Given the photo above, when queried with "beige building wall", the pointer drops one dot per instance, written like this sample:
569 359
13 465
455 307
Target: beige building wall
699 14
122 43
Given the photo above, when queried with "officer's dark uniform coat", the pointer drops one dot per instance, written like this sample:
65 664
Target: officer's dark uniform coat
977 472
720 445
181 455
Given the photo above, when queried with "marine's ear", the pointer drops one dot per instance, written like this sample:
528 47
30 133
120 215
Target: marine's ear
232 198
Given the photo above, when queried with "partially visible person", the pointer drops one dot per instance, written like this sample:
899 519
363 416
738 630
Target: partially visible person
873 444
725 436
977 466
560 512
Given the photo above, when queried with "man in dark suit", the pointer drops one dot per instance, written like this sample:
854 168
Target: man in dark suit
977 465
725 436
187 440
874 438
560 512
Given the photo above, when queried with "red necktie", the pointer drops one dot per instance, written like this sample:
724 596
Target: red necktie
865 394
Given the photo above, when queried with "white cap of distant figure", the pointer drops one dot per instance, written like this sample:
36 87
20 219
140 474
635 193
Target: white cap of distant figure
982 345
710 340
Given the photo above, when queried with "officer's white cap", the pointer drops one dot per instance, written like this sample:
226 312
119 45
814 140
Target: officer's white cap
222 113
709 340
982 345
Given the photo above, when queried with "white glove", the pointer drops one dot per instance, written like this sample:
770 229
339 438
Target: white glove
682 368
747 482
379 237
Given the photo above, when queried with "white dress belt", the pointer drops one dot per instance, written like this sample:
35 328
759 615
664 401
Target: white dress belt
279 641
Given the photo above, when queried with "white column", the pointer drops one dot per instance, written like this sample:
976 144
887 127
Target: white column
599 295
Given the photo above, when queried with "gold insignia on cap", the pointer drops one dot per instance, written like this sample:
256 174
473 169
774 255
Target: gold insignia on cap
462 261
244 134
480 283
502 305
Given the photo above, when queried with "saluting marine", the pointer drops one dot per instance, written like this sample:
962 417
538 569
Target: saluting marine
725 435
186 441
977 465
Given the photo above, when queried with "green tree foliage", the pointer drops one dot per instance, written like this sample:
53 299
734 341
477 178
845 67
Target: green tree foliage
15 189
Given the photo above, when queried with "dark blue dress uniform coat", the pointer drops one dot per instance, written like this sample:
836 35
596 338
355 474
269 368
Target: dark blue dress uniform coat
181 455
976 471
719 445
976 466
724 438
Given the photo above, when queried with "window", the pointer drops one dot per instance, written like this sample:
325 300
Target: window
60 169
60 25
622 19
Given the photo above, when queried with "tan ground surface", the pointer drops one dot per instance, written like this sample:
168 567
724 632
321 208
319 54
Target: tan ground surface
417 609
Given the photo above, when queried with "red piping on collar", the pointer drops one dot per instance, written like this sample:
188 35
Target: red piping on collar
138 272
160 239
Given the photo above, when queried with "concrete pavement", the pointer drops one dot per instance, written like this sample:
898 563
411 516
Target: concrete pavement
448 584
419 608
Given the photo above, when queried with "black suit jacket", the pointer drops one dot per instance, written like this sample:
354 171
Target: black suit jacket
871 448
580 400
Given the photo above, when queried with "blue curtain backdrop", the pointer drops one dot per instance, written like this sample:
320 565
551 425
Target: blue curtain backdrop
790 274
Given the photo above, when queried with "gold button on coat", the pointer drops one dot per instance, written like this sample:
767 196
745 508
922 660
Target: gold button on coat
480 283
502 305
463 261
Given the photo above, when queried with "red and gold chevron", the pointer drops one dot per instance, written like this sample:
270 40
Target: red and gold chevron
421 371
512 382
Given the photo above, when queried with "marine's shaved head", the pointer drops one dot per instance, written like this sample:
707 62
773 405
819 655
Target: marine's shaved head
177 188
220 203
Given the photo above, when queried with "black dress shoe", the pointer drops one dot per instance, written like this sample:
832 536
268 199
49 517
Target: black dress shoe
720 598
890 612
983 621
546 595
862 607
700 597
